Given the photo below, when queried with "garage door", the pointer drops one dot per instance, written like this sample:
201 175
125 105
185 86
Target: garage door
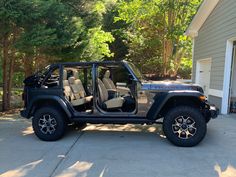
204 73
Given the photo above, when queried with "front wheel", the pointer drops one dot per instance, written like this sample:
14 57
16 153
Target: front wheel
49 124
184 126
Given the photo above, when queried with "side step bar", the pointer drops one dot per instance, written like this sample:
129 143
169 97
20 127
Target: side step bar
113 120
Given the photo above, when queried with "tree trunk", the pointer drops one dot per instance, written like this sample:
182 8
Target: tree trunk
5 100
10 79
178 59
167 53
11 59
28 65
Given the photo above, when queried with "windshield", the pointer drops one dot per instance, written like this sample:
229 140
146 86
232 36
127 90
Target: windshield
136 71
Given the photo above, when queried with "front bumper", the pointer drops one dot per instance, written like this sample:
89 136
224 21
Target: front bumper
214 112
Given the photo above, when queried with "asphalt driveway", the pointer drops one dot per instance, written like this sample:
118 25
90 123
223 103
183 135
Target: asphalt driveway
119 151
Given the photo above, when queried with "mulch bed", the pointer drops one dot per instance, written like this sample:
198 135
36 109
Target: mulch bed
12 111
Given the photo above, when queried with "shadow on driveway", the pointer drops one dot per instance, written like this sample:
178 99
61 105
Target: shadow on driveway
115 150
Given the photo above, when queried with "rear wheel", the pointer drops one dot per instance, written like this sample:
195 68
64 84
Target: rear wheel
49 124
184 126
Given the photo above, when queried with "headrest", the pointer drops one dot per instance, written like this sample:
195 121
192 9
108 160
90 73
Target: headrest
71 80
75 73
65 83
78 81
107 74
64 74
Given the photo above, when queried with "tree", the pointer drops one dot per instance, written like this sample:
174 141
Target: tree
35 33
11 15
119 46
155 32
38 32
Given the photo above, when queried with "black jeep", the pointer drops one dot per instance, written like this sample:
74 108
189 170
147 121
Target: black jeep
113 93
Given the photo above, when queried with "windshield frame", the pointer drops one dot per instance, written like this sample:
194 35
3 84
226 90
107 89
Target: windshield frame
135 71
43 71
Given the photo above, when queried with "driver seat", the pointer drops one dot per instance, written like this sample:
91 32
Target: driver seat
113 103
109 85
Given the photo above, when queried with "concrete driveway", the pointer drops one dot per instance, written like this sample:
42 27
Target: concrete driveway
115 151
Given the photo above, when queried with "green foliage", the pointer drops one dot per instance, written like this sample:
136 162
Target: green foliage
56 28
35 33
17 79
97 46
118 29
148 33
185 68
155 32
72 30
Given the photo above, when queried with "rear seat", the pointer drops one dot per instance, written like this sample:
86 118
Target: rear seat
78 90
80 87
67 90
70 96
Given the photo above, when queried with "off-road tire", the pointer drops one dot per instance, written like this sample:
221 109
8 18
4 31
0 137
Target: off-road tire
60 125
187 111
208 119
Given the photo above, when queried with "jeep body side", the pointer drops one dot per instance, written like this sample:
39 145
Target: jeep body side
82 94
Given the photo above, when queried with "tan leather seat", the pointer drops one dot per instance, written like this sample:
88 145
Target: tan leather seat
67 89
109 84
80 87
69 93
103 94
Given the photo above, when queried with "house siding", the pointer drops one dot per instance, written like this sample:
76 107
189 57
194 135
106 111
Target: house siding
215 100
211 42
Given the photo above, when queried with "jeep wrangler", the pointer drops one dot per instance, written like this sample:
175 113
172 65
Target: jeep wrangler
112 92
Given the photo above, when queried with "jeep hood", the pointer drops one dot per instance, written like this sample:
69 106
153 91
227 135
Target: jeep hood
163 86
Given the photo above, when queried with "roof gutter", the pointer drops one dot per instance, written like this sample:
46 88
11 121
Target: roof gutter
201 16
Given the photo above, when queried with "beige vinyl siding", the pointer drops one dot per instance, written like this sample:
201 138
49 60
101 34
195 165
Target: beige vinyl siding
215 100
212 37
211 41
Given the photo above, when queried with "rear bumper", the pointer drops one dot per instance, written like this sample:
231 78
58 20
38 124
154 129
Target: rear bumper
24 113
